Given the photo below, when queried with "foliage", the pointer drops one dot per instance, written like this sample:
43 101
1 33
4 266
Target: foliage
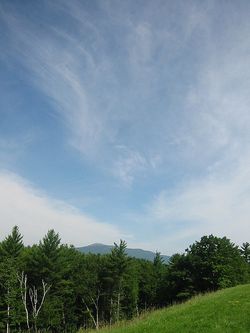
90 291
224 311
245 252
216 263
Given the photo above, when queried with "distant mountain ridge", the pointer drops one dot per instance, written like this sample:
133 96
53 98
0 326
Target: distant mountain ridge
98 248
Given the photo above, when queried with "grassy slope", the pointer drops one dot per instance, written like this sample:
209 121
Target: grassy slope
221 312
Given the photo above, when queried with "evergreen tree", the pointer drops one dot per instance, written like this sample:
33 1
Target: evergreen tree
147 290
12 245
10 306
118 264
91 290
179 279
10 251
159 273
245 251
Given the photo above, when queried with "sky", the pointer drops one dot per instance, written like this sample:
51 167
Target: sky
125 120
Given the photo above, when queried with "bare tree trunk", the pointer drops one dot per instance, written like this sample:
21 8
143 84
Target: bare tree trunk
119 300
8 313
34 301
118 306
23 286
110 312
96 303
97 317
95 321
137 310
63 318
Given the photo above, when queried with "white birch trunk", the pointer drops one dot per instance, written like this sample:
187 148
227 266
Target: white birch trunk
23 286
8 313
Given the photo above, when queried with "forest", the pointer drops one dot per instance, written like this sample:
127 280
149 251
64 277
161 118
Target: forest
52 287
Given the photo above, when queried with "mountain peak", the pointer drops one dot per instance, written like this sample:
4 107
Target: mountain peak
96 244
99 248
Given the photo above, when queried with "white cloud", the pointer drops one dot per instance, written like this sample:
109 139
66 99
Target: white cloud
66 71
171 83
129 164
35 213
217 114
217 204
100 93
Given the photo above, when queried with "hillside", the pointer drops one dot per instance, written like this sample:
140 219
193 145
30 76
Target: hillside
104 249
226 311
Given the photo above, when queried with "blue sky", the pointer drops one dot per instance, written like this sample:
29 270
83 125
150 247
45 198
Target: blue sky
125 119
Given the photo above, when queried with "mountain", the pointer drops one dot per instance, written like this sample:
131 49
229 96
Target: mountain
136 253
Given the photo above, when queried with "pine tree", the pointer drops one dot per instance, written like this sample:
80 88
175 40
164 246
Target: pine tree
118 265
12 245
10 303
245 251
10 250
48 257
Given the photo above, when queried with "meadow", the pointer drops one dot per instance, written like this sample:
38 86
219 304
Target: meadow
224 311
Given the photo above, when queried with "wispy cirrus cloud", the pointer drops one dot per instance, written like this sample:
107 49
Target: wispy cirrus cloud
129 165
89 82
217 203
157 94
58 72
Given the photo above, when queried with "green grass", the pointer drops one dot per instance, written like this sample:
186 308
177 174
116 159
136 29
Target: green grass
225 311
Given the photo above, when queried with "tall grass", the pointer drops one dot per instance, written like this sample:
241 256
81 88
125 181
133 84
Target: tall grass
226 311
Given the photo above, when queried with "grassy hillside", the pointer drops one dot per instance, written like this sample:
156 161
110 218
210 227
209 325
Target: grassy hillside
226 311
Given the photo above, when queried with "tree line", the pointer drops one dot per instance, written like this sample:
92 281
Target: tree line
52 287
